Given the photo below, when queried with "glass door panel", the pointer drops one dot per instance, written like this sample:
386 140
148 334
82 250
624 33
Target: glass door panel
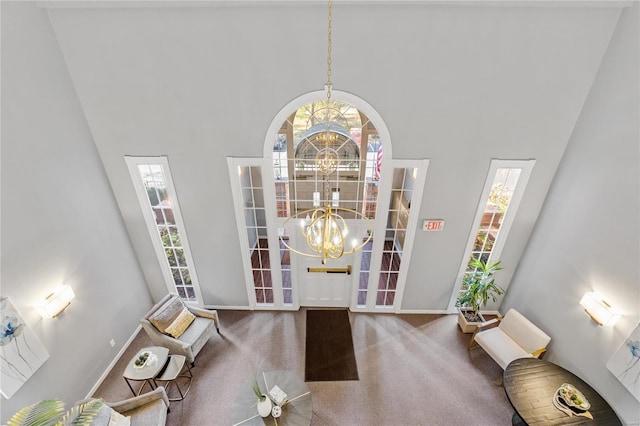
398 217
365 270
256 233
285 269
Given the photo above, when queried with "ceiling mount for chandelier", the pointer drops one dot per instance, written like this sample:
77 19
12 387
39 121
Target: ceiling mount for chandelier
324 228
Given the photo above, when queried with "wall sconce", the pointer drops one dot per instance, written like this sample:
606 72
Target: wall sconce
599 310
56 302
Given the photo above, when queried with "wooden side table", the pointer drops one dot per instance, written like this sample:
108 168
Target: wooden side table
170 376
148 371
530 385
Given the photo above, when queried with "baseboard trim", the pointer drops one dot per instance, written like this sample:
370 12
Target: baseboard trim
228 308
426 311
113 363
107 371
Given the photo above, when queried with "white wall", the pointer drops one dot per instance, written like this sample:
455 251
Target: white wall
60 223
587 238
456 84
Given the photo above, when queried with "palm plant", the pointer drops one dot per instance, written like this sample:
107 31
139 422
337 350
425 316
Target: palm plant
51 412
479 286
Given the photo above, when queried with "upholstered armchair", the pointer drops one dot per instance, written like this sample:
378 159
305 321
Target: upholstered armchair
148 409
181 328
510 337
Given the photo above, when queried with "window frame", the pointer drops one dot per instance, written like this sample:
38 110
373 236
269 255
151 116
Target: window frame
507 222
147 212
383 208
268 188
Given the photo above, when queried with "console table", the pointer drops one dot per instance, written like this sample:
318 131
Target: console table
530 385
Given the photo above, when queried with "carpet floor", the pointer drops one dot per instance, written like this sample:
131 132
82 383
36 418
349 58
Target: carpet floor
413 370
329 354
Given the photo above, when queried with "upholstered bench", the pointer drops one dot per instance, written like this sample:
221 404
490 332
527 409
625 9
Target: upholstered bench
514 337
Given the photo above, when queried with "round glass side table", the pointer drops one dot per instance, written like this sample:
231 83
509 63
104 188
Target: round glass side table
297 408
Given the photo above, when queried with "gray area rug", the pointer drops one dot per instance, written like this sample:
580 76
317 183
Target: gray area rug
413 370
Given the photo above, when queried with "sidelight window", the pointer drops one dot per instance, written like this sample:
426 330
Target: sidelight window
503 190
159 202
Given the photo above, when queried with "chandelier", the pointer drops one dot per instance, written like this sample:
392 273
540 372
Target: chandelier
323 228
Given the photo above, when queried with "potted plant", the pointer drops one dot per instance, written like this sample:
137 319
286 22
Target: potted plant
52 412
479 286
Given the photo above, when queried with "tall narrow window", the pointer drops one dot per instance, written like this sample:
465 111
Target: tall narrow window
154 186
399 209
285 268
256 226
501 196
495 209
365 271
267 264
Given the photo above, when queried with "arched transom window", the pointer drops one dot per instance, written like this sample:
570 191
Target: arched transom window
303 135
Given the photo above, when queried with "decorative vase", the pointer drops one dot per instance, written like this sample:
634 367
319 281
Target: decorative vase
276 411
264 406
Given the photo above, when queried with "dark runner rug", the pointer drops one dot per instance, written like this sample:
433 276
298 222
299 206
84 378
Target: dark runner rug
329 354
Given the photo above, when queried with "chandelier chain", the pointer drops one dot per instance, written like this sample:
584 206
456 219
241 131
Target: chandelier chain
329 40
324 228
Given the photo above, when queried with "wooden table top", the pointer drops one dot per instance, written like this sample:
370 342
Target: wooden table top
530 385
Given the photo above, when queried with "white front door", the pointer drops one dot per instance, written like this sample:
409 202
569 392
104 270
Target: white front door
331 284
325 285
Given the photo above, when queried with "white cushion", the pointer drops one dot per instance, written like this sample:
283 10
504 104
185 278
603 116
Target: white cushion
118 419
524 332
502 348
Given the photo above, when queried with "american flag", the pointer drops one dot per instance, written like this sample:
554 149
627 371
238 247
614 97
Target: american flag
378 163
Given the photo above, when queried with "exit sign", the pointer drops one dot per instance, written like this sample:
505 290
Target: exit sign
433 225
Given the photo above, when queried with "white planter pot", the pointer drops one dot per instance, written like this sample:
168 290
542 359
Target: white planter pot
264 407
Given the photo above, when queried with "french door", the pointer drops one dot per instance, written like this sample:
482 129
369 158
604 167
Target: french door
333 284
370 279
